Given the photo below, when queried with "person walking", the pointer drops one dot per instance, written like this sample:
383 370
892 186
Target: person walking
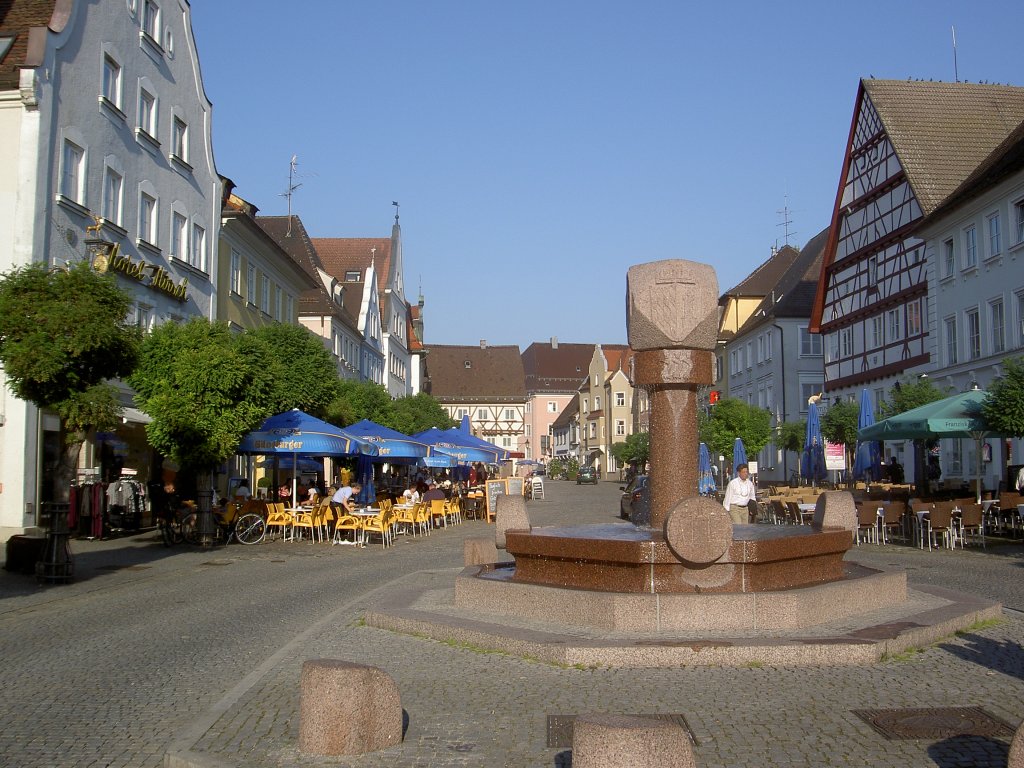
738 494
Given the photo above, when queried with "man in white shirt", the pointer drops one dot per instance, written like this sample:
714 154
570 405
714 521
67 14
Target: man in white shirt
738 494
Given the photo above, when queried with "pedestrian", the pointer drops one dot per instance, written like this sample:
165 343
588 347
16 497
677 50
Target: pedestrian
738 494
343 497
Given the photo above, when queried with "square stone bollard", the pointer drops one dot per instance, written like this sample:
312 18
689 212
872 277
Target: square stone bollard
626 741
511 515
477 550
836 509
347 709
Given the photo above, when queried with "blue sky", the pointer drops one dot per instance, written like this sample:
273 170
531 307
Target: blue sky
538 149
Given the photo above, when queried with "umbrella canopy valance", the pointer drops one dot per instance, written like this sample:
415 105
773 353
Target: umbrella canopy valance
456 444
390 443
296 432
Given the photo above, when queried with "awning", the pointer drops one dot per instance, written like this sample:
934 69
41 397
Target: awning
135 416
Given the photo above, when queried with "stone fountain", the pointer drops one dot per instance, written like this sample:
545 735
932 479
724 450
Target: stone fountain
692 580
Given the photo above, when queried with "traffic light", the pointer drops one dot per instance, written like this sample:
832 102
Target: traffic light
713 398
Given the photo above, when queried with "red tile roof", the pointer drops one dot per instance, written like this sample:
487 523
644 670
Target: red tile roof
345 254
493 374
559 368
17 20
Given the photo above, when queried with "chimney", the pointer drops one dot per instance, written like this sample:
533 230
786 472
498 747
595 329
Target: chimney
554 342
483 343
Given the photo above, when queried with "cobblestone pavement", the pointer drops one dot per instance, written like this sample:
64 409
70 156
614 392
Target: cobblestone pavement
153 649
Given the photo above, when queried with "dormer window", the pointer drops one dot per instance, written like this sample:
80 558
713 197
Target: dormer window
467 364
352 276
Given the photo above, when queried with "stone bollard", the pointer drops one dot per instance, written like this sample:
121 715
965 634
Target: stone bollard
623 741
1017 749
511 515
347 709
479 551
836 509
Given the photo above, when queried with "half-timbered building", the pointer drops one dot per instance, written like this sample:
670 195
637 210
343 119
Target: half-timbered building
911 143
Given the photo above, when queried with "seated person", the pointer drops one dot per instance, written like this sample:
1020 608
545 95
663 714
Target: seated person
411 495
433 493
312 495
242 491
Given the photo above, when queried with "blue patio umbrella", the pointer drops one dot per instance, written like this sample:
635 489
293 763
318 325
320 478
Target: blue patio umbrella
812 461
464 424
364 476
705 478
739 454
867 464
455 444
391 444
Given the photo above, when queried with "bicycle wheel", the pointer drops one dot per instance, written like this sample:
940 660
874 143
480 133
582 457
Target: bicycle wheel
250 528
167 534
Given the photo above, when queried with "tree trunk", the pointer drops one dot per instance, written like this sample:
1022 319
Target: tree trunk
67 467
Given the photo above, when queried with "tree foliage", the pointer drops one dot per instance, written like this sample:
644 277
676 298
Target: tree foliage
63 333
908 394
303 372
204 387
839 423
790 435
1003 408
358 400
417 413
635 449
731 418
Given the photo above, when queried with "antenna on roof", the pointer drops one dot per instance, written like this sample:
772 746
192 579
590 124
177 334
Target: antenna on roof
956 73
396 210
786 220
291 188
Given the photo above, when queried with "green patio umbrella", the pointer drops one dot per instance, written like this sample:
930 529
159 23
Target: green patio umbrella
953 417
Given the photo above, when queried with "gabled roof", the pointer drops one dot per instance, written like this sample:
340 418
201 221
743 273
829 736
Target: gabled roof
235 208
764 278
943 131
347 254
414 320
793 296
556 368
290 233
617 357
20 22
567 414
457 373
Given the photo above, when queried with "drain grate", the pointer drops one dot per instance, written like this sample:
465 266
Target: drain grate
123 567
560 728
934 723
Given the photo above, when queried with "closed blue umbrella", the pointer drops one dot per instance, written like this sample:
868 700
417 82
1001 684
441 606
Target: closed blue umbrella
867 464
705 478
739 454
364 476
812 462
464 425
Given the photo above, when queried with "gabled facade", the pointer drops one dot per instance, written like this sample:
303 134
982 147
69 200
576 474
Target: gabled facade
346 258
258 282
484 383
553 372
106 147
326 308
771 360
565 431
911 144
606 403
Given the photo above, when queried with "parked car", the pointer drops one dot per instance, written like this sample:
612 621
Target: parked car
635 503
586 475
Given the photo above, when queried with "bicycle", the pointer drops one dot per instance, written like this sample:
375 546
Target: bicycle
179 528
249 528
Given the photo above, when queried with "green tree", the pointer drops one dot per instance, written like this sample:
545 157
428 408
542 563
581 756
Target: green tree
635 449
63 335
302 370
417 413
790 436
1003 408
839 425
358 400
909 393
205 388
731 418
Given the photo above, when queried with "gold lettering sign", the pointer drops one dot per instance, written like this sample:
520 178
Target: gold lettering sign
159 278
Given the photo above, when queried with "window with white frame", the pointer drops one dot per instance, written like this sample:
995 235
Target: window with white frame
461 413
872 270
970 256
481 414
141 315
949 328
997 325
236 271
846 342
585 403
750 355
265 294
597 402
973 334
734 367
914 318
111 80
760 348
151 20
113 195
179 139
197 252
620 427
510 414
894 329
593 429
877 332
810 343
72 175
807 390
769 397
147 112
529 431
995 245
250 284
954 458
278 303
290 308
147 218
1020 318
620 399
948 258
506 442
1018 219
768 345
179 236
552 406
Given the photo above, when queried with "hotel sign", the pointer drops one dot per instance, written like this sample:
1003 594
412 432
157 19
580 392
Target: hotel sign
107 257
